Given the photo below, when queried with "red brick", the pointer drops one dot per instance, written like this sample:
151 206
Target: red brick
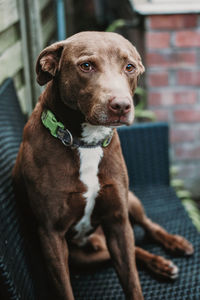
180 59
157 40
171 98
187 151
186 97
187 115
158 79
161 114
187 38
188 77
154 98
172 21
178 135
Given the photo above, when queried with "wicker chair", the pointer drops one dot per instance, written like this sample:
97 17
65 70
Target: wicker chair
145 148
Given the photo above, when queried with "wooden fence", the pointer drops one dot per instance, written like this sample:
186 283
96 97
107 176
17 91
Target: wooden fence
26 26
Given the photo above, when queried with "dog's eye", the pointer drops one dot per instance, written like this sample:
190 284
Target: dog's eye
130 68
86 67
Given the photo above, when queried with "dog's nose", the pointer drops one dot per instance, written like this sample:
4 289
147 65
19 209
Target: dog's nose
119 106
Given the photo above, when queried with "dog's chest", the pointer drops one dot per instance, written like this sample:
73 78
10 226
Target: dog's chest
90 159
89 166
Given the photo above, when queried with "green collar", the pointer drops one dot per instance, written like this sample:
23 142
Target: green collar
58 130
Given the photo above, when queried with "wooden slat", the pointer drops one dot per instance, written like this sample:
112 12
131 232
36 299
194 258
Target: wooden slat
8 37
19 79
33 41
8 13
70 14
25 54
44 3
11 61
22 98
48 28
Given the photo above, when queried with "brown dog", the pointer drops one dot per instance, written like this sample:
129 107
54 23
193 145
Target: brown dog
70 168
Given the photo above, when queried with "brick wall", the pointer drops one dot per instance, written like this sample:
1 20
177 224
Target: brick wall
173 82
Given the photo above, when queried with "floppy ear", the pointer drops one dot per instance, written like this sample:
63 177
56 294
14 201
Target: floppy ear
48 62
141 67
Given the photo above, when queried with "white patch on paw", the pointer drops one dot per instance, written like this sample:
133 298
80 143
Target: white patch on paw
174 272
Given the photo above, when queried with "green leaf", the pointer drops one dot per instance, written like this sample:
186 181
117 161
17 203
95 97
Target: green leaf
183 194
177 183
116 24
193 212
145 114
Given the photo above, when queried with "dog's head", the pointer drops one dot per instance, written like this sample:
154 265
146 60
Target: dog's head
97 73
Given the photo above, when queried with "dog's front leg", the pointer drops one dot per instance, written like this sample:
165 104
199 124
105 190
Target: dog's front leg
55 251
120 242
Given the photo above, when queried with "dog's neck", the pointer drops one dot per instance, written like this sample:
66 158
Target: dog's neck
73 120
70 118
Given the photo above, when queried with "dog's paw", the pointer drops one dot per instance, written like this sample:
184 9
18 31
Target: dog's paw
96 242
178 244
163 267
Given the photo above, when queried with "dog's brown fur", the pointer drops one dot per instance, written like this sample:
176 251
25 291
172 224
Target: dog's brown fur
46 173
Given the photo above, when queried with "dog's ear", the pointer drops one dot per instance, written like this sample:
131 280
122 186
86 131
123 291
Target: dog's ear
141 67
48 62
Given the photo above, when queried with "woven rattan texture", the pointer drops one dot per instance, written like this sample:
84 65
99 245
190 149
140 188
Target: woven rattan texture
145 149
18 277
12 260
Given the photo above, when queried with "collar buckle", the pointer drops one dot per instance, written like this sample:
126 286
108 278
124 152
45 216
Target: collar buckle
65 136
50 122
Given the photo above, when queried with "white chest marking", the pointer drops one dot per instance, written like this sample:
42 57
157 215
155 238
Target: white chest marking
89 166
89 163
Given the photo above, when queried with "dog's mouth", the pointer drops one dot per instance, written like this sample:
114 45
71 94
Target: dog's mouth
117 121
108 119
120 121
116 124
